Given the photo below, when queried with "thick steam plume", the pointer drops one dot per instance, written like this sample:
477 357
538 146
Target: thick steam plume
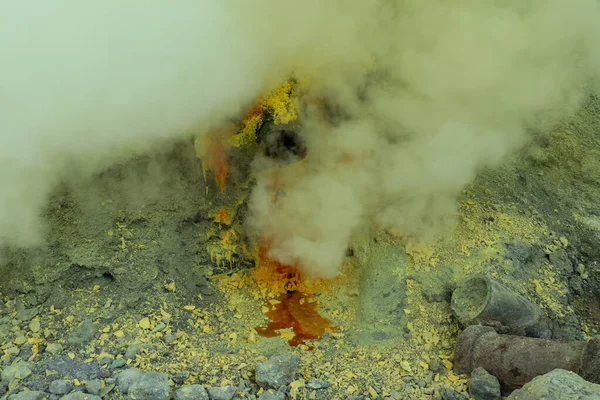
424 93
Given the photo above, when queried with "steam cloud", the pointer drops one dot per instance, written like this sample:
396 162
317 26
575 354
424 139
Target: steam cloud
427 94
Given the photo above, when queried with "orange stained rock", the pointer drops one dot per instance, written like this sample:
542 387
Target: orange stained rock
223 216
217 162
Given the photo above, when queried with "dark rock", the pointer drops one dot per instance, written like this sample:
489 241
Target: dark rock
126 378
524 256
29 395
150 386
170 339
83 334
118 363
191 392
484 386
37 384
451 394
94 386
180 377
60 386
222 393
561 261
104 373
64 366
132 350
25 352
270 395
576 285
434 366
277 371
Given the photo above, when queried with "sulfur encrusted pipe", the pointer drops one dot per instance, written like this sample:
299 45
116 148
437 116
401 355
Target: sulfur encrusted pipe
516 360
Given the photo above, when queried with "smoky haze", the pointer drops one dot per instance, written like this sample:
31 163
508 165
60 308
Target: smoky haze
430 92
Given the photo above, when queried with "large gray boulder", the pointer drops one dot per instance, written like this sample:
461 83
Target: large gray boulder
557 385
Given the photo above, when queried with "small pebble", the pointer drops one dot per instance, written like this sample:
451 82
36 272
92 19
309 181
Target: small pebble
25 352
180 377
20 340
395 395
34 326
133 349
159 327
93 386
118 363
54 348
316 384
435 366
170 339
105 358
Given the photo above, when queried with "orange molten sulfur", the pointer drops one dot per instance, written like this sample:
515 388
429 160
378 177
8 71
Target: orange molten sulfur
297 311
294 309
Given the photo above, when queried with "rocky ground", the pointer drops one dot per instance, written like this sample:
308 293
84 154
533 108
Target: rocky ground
153 299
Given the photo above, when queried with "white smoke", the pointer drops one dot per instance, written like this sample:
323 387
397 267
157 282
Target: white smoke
455 86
